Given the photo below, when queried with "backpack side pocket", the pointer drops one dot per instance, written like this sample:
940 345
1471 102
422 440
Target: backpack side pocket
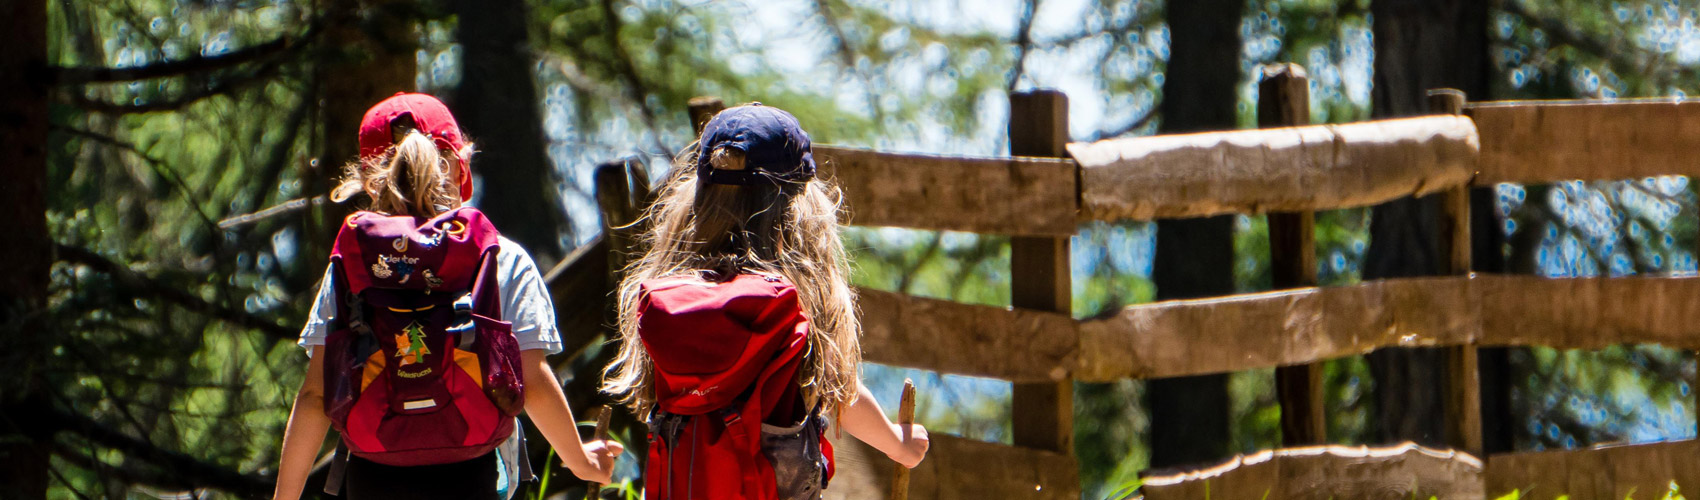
799 467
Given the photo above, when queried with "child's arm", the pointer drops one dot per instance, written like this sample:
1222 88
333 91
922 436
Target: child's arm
547 406
866 421
305 433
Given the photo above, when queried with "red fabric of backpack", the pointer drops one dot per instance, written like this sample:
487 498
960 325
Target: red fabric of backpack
725 355
419 368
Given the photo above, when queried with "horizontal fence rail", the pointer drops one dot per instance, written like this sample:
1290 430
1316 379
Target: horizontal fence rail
1289 169
1017 196
958 468
1539 142
1283 328
1589 313
1619 471
1191 337
1020 345
1319 472
1623 471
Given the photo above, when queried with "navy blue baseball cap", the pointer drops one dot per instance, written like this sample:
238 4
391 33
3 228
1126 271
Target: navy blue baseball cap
774 145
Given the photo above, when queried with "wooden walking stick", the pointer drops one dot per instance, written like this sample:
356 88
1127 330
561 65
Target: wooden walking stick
601 435
905 417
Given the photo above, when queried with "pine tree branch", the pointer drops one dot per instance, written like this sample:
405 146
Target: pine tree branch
1124 130
160 167
847 56
174 469
79 75
1621 56
285 208
199 92
144 286
1561 31
636 90
1023 42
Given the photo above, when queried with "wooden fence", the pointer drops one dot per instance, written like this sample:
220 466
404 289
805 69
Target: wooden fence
1042 195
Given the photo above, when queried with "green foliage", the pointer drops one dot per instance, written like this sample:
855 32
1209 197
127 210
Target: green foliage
194 357
1672 492
1253 411
1566 49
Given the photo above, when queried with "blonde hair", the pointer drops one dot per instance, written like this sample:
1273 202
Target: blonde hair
785 228
410 178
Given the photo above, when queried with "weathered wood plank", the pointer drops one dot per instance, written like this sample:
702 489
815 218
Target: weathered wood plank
956 468
1622 471
581 290
1040 276
1320 472
1283 100
1589 313
1541 142
946 336
1189 337
702 109
1284 328
1318 167
1463 374
1016 196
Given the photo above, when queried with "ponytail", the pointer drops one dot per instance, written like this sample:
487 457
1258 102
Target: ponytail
411 178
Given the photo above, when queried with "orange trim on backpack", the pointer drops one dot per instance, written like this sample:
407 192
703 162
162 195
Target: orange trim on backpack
400 310
468 362
374 368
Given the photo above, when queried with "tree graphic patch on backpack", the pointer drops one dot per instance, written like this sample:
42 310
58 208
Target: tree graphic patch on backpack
413 338
420 369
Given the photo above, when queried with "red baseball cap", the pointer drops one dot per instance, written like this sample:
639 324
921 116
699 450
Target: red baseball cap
430 117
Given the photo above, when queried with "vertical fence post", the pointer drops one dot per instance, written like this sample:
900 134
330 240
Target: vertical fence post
1463 377
1039 274
703 109
622 192
1284 101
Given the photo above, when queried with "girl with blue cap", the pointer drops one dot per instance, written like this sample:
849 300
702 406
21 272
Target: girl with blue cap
739 332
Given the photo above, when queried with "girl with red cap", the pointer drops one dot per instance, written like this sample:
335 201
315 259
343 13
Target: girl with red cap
413 168
738 325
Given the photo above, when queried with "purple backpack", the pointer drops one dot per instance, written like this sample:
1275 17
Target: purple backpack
419 367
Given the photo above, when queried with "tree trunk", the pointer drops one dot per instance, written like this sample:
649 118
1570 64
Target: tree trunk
497 103
368 56
1419 45
28 252
1195 257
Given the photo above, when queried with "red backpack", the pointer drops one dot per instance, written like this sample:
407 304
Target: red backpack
419 368
725 359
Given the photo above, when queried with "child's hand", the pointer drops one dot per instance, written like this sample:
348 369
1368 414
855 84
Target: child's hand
601 456
910 451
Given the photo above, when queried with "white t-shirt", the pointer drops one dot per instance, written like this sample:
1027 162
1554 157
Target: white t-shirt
525 303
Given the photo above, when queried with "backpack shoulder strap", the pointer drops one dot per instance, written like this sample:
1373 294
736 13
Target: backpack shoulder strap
346 248
349 311
484 299
338 469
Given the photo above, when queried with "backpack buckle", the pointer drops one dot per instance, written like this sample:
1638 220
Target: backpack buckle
357 316
666 427
463 324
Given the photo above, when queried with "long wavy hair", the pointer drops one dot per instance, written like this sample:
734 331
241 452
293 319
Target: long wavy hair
411 178
717 231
